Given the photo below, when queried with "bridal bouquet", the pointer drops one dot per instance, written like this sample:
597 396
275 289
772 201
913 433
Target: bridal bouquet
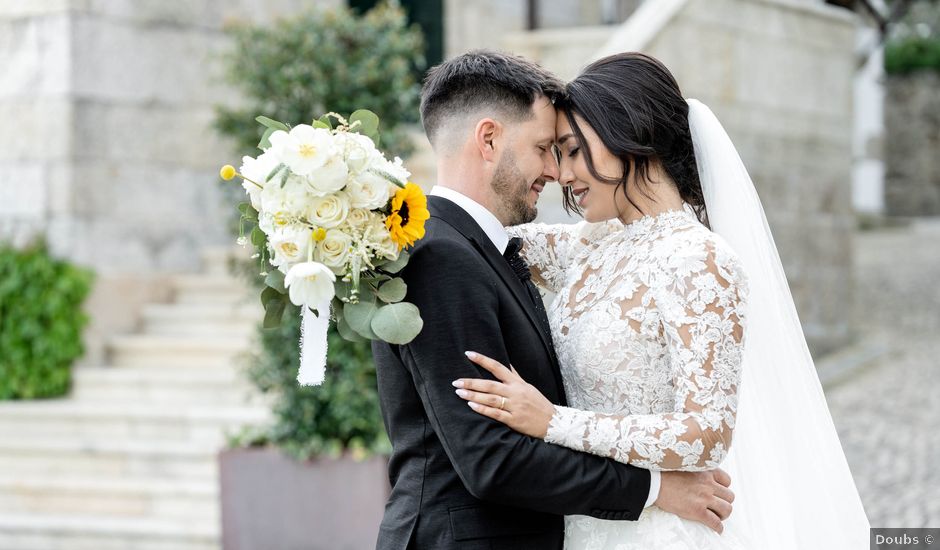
331 218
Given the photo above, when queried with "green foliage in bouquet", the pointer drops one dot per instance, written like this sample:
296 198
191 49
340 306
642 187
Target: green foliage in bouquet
340 416
326 60
912 54
41 315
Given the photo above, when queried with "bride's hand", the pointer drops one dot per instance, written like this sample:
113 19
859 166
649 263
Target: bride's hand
512 400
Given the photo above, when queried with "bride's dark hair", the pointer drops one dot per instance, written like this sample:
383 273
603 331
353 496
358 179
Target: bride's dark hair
634 104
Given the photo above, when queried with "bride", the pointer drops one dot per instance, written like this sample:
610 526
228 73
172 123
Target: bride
674 326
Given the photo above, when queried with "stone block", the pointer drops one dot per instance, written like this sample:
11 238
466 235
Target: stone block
35 129
34 54
23 190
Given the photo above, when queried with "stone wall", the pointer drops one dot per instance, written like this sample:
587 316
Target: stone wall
108 151
912 145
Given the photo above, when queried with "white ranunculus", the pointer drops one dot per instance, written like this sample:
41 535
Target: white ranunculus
329 211
289 244
368 190
304 148
334 250
309 284
292 199
329 178
360 151
358 217
257 170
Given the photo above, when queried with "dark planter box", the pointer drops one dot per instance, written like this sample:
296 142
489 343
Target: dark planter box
271 501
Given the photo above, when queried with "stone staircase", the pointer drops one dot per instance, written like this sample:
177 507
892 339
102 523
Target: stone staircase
128 460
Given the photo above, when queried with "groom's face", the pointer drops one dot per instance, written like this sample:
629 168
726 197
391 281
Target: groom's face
526 164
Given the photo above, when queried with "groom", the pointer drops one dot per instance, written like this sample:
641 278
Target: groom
459 480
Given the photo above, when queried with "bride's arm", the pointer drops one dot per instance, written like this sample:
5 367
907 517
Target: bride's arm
703 323
547 248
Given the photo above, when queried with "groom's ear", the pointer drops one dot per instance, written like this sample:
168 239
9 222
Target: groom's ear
486 136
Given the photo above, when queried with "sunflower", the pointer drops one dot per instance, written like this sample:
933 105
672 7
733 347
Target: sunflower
409 211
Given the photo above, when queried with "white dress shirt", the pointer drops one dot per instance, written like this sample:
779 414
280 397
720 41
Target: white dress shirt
497 233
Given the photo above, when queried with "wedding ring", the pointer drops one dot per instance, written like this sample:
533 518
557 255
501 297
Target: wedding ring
502 403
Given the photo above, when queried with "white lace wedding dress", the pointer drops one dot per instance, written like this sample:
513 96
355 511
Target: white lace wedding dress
648 324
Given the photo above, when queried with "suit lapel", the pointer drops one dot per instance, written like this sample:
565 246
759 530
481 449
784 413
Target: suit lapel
460 220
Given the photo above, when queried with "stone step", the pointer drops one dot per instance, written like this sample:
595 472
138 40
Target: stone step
215 260
176 351
89 532
202 319
218 386
204 426
112 497
112 458
210 289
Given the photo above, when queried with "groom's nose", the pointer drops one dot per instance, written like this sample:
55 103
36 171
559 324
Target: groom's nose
550 170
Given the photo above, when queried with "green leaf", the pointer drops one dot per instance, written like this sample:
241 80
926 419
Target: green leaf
257 237
273 312
397 323
275 171
369 122
393 291
272 124
275 280
341 289
395 266
344 330
323 122
269 294
265 142
359 317
248 211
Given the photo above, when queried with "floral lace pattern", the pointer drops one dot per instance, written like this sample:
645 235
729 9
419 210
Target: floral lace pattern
648 323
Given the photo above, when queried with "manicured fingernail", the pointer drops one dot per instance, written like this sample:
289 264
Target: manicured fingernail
457 383
463 393
473 405
471 354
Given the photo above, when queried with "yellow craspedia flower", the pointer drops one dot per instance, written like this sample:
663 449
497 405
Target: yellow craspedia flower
227 172
318 234
409 211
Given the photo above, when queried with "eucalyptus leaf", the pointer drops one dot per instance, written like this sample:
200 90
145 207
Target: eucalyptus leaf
269 294
275 280
359 317
344 330
369 121
396 266
341 289
273 312
397 323
324 121
393 291
272 124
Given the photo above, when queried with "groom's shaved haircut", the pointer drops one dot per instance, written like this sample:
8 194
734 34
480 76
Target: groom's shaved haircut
482 82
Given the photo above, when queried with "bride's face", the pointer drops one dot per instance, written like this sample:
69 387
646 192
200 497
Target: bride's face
599 201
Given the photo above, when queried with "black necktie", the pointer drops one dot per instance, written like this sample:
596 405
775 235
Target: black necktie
521 269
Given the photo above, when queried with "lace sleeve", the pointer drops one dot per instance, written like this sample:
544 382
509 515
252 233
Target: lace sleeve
701 308
550 248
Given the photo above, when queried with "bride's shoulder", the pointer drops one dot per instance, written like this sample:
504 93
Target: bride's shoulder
700 249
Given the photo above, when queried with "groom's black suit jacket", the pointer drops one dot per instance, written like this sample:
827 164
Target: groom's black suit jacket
460 480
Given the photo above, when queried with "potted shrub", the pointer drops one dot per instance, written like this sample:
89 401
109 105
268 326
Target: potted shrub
315 478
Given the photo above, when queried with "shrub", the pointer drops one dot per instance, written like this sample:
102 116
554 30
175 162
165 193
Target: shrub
295 71
41 322
912 54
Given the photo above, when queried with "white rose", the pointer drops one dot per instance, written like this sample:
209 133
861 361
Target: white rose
329 178
289 245
369 191
303 149
329 211
310 284
334 250
358 217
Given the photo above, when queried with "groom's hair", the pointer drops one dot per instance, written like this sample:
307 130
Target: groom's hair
501 83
